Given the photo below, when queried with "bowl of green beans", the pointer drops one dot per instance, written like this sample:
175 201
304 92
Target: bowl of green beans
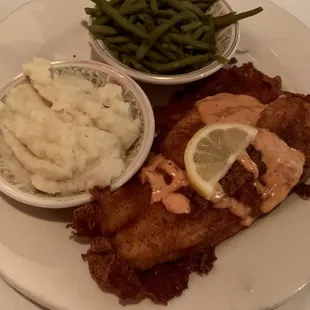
165 41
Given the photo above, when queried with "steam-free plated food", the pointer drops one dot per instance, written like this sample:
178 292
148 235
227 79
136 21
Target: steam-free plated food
164 224
163 37
61 134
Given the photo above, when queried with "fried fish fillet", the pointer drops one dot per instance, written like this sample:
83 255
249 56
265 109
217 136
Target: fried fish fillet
236 80
141 250
157 236
288 117
154 255
121 208
160 283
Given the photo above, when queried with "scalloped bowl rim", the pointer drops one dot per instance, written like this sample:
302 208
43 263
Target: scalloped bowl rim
50 202
206 71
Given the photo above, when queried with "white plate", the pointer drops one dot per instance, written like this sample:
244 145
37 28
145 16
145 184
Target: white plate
256 269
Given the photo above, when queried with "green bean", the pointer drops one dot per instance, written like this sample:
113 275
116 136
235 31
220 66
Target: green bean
221 22
127 3
176 65
175 49
141 26
175 5
145 15
133 19
206 37
135 64
161 20
159 31
147 21
165 52
198 32
210 21
192 7
160 36
114 2
104 30
124 59
181 6
101 20
146 45
191 26
154 6
183 40
118 40
140 67
220 59
118 18
166 13
203 6
124 12
152 55
132 9
164 39
93 12
132 47
174 30
116 48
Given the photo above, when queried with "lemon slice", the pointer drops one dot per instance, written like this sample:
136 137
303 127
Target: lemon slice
211 153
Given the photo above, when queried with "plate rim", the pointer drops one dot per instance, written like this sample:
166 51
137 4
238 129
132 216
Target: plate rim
54 306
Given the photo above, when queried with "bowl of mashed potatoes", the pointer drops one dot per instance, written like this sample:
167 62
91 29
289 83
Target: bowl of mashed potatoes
67 127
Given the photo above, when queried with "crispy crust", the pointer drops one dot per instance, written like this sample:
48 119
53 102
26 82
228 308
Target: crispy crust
160 283
237 80
289 119
150 252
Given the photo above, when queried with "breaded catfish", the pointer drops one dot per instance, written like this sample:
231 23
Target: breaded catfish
140 249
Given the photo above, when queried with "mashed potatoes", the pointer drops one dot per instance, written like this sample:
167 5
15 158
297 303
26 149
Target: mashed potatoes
61 134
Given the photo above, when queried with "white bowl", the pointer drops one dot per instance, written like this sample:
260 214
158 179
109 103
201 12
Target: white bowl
99 74
227 43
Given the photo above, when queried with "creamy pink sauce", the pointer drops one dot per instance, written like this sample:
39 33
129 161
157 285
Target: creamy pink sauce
176 203
245 160
222 201
228 108
162 191
284 164
284 168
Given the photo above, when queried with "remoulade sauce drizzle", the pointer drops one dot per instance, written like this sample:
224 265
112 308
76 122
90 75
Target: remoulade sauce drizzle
174 202
229 108
284 164
248 164
243 109
222 201
284 168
